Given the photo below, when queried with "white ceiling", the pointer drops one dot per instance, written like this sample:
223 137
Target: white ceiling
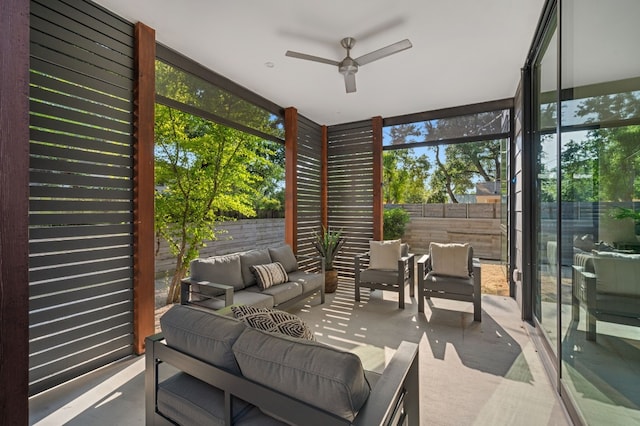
464 51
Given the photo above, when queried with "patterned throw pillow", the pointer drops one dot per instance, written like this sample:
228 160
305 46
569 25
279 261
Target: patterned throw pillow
274 321
269 274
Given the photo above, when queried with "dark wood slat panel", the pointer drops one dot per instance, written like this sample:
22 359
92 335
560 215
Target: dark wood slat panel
57 232
68 43
61 364
64 351
68 32
117 32
86 119
79 155
45 93
77 167
79 130
61 178
37 206
47 246
83 268
53 57
50 287
55 260
44 136
73 295
78 218
350 128
114 106
100 360
89 81
74 311
80 193
107 329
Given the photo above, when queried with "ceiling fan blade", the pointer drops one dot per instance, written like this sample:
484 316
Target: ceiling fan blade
384 52
350 82
311 58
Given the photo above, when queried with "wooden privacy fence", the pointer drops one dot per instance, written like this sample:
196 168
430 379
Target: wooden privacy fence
241 235
451 210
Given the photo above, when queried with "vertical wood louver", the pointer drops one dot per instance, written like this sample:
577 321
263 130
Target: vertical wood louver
308 179
81 190
350 192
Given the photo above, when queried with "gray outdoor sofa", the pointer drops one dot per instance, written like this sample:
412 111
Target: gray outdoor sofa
214 369
220 281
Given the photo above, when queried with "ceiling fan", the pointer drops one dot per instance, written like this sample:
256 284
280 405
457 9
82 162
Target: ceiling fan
349 66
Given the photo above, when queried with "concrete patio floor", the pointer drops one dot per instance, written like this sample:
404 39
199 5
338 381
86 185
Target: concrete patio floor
485 373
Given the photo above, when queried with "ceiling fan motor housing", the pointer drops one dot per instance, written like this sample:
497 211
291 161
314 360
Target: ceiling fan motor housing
348 66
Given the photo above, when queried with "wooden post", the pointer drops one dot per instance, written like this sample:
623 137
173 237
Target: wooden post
14 210
291 177
324 177
378 194
143 192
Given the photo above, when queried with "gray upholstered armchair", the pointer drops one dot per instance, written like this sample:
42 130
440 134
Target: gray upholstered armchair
449 271
390 267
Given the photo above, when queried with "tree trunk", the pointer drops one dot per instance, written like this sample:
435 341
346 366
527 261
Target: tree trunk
174 288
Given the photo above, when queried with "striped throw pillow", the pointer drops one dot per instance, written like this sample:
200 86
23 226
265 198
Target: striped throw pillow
269 274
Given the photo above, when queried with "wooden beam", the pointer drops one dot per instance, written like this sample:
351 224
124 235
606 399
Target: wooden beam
324 177
378 205
14 210
291 177
143 192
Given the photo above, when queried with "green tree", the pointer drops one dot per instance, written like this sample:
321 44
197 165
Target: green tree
201 172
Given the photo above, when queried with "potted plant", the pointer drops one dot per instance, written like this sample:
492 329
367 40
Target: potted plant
328 243
627 213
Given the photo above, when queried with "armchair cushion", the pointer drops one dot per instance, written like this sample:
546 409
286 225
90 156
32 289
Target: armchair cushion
384 254
450 259
269 274
284 254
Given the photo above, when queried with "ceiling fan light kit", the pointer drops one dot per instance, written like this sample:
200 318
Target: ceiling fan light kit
349 66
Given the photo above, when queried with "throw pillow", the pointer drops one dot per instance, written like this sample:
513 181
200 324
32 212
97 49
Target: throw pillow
384 254
274 321
269 274
450 259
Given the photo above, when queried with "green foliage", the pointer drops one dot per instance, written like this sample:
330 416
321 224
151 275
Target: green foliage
404 176
328 243
202 171
395 222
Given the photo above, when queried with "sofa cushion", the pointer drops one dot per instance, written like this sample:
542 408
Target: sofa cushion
187 400
279 293
219 269
385 254
315 373
269 274
274 321
450 259
284 254
204 335
310 281
250 258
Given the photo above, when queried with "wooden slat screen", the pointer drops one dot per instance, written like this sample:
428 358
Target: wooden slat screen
81 190
308 175
350 192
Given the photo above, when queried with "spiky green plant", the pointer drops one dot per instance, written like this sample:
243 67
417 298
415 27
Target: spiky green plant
328 243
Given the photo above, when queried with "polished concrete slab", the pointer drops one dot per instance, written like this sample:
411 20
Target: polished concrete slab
485 373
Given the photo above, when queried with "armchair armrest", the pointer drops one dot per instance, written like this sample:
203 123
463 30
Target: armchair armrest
221 291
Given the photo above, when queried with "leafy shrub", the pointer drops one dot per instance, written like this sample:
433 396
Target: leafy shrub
395 222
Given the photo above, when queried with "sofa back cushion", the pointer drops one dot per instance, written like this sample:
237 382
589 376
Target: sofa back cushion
204 335
284 254
312 372
219 269
251 258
